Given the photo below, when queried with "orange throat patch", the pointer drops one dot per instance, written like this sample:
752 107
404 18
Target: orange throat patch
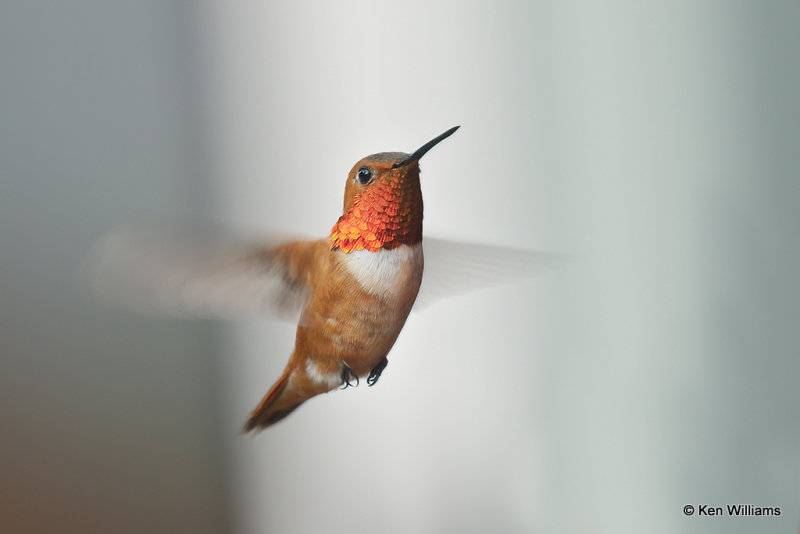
384 216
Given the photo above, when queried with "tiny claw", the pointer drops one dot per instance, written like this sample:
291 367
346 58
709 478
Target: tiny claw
376 372
347 374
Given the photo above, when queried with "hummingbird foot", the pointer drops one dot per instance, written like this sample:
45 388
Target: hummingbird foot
347 375
375 374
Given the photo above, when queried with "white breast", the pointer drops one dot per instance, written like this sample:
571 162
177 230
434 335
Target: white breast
386 272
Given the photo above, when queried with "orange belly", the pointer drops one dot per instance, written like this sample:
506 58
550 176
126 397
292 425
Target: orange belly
356 313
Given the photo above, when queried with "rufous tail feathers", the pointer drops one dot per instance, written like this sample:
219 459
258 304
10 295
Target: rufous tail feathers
291 390
279 402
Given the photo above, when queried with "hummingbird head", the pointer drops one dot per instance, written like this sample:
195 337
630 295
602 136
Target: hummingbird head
383 201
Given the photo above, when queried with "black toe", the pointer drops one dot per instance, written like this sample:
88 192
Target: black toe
347 375
376 372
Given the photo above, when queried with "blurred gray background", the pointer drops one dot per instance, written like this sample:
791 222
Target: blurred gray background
657 144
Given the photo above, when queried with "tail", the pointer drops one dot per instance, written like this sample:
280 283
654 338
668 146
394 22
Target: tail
281 400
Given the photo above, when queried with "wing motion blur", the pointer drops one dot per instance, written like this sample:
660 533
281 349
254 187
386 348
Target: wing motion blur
208 274
200 273
453 268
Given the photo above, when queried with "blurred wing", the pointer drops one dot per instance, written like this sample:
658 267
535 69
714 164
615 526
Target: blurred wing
201 274
453 268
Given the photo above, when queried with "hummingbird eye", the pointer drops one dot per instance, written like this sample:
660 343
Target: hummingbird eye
364 175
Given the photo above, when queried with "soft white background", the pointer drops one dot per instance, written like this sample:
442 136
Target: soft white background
657 144
450 439
653 373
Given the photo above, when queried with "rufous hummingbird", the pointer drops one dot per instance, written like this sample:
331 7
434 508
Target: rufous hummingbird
362 282
353 290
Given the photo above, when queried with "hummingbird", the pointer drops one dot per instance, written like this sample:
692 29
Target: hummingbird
362 282
352 291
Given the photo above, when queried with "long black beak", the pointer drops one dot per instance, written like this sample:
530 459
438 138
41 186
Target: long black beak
424 148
